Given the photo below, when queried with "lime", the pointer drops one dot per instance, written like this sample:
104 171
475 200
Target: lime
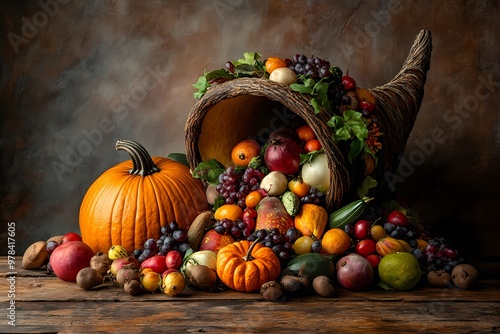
400 271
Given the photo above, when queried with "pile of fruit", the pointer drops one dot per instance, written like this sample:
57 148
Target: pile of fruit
266 227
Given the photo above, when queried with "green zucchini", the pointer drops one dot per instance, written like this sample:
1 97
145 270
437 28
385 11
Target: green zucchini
348 213
312 265
179 157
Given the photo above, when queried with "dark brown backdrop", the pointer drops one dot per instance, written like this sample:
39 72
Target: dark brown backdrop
78 75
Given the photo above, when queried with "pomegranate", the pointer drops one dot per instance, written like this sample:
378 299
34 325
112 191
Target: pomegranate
354 272
69 258
283 155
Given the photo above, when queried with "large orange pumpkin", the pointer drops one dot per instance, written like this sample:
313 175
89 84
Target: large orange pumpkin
130 202
245 266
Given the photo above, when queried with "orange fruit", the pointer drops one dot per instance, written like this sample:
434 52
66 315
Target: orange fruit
305 132
335 242
273 63
298 187
253 198
422 244
312 145
229 211
244 151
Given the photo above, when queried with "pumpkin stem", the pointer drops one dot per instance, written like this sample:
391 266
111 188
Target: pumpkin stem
143 164
248 255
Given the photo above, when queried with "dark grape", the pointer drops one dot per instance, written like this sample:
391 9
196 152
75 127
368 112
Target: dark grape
173 226
316 246
389 227
179 236
151 245
220 229
165 230
292 234
235 185
51 246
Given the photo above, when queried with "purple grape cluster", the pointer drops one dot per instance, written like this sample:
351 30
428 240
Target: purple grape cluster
172 238
438 255
234 185
314 197
312 67
281 244
237 229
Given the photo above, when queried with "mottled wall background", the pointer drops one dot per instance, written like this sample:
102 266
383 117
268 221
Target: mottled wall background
78 75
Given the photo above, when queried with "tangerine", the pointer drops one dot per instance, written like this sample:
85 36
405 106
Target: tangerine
244 151
229 211
305 132
253 198
273 63
335 242
312 145
299 187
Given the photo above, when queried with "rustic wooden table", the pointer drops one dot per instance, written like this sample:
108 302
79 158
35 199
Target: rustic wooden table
36 303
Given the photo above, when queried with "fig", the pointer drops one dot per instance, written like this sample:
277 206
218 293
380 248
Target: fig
439 278
273 291
295 285
202 277
323 286
464 276
88 278
133 287
101 263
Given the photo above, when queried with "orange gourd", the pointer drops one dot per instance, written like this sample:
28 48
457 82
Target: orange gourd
311 220
245 266
130 202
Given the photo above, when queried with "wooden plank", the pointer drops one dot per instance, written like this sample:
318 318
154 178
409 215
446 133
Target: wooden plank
54 289
255 316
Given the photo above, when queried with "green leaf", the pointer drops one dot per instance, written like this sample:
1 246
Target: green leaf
303 89
209 171
201 85
221 73
316 105
310 156
355 149
365 186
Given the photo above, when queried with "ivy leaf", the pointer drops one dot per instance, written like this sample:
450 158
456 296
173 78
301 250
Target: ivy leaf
303 89
209 171
316 105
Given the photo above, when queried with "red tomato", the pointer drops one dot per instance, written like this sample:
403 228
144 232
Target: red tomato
173 259
374 259
397 218
366 247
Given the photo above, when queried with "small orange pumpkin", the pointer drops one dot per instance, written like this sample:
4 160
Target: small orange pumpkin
245 266
130 202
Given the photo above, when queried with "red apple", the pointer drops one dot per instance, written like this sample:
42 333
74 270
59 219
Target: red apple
69 258
397 218
156 262
174 259
374 259
214 241
348 82
71 236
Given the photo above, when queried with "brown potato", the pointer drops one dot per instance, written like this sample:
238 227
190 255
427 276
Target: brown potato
35 256
464 276
439 278
323 286
87 278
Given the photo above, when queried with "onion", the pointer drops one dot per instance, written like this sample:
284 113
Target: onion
283 155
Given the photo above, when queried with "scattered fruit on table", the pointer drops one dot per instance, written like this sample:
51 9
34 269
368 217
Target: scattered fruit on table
69 258
399 271
354 272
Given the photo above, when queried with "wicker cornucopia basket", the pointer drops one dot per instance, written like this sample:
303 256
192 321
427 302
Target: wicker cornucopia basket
249 107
